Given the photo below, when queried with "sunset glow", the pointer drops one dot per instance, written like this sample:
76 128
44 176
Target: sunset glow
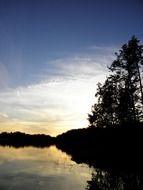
53 54
56 103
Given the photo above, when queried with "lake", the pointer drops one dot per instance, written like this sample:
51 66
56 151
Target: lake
41 169
49 168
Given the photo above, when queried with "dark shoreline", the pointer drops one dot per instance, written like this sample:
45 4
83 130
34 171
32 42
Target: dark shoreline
112 148
116 148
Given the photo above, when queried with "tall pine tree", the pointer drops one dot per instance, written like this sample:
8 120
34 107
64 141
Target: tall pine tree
120 98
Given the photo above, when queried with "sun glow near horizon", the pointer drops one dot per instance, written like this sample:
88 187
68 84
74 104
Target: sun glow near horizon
58 102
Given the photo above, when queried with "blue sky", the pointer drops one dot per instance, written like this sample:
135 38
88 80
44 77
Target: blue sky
53 52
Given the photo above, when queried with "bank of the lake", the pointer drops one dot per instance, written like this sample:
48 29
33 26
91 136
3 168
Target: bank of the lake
119 147
114 148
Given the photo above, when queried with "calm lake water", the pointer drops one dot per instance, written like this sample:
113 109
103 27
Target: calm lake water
40 169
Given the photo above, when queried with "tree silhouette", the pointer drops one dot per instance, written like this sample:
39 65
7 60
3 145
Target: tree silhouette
120 98
103 113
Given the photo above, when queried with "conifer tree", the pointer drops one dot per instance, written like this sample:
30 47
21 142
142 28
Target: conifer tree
120 98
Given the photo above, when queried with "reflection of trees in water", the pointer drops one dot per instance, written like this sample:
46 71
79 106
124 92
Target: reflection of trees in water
103 180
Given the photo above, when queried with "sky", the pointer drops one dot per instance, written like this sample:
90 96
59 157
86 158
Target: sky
52 55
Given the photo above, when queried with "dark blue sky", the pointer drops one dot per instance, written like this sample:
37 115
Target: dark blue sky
34 31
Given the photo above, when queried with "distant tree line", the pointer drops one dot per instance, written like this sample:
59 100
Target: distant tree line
120 98
18 139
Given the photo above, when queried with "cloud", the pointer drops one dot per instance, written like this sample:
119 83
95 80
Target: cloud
82 66
3 117
106 50
60 100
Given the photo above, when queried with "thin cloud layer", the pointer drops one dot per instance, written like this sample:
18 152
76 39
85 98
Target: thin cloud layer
59 101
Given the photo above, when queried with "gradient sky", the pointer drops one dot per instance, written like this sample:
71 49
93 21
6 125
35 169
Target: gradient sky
52 55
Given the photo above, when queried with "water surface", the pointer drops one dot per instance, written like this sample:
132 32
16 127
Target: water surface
40 169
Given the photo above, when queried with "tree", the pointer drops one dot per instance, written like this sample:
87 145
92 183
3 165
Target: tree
120 98
127 67
104 111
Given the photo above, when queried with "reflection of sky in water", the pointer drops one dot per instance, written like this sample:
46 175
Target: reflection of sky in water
40 169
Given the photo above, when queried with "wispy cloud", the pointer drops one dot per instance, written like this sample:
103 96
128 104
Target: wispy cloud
82 66
60 100
103 49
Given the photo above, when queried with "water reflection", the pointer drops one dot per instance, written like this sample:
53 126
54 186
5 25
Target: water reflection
49 168
40 169
109 180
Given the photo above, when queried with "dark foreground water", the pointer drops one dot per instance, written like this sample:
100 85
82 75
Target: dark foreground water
40 169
